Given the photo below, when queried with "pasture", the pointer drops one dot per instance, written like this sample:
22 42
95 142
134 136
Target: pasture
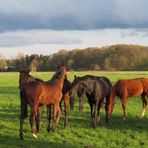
132 132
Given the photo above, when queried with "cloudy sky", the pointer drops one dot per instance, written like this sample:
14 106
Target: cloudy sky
46 26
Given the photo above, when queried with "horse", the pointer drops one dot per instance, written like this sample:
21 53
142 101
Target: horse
67 99
42 93
81 92
96 90
125 88
25 78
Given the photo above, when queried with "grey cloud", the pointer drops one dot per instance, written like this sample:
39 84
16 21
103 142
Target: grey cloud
32 37
72 14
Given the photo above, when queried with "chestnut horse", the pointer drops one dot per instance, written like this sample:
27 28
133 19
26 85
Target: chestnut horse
42 93
96 90
25 78
66 98
129 88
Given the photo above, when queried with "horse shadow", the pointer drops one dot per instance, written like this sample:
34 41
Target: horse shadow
133 123
15 142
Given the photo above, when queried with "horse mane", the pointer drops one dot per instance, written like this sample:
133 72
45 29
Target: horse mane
56 76
27 79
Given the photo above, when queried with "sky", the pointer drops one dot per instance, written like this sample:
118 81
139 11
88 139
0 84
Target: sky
46 26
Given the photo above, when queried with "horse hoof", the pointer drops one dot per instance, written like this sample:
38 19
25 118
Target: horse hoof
34 136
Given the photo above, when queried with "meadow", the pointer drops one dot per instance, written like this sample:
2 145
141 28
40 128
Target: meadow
132 132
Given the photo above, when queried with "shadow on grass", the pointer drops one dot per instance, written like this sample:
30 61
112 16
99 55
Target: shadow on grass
9 90
14 142
133 123
83 120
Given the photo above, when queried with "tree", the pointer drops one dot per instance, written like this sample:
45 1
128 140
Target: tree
3 64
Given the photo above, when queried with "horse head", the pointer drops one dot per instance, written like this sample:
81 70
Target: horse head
61 71
25 77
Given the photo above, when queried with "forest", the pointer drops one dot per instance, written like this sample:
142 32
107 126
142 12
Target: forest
112 58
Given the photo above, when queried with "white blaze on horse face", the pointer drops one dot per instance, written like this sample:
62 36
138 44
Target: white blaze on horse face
143 112
34 136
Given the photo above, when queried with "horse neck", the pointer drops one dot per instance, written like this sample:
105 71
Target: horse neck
112 96
60 81
74 88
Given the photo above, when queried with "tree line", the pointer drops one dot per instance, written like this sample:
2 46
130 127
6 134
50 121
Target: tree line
115 57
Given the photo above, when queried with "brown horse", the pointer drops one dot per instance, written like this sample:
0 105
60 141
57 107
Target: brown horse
129 88
42 93
25 78
66 98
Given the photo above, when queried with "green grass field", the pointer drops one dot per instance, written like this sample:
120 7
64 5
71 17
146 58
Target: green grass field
132 132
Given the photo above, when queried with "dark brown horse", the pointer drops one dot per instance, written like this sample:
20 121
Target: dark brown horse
25 78
129 88
81 92
96 90
42 93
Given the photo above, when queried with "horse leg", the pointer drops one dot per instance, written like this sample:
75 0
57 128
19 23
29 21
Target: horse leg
95 114
55 114
99 106
66 104
81 103
71 103
106 108
61 103
143 96
23 115
91 111
58 115
38 119
32 119
123 99
48 117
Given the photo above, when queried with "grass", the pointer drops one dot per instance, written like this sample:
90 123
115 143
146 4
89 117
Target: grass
132 132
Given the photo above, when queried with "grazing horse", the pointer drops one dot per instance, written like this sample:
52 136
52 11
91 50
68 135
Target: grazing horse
129 88
81 92
96 90
42 93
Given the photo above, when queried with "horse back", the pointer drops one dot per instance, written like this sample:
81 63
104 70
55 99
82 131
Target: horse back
129 87
145 85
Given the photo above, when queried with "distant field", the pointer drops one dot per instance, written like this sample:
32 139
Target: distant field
132 132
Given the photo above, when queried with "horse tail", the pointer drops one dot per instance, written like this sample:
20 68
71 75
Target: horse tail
72 103
24 104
